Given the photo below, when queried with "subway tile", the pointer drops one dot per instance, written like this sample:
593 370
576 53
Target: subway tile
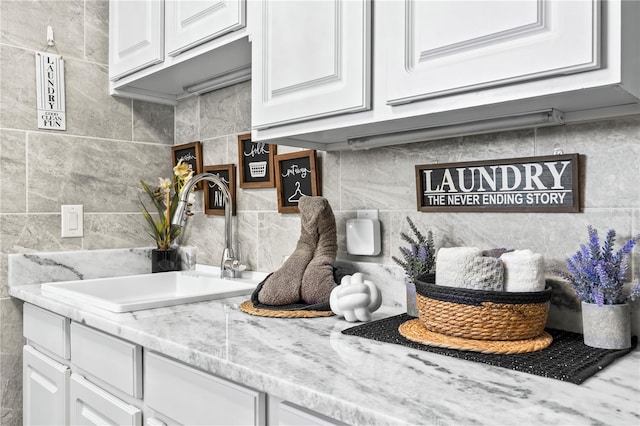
247 241
31 233
24 24
278 235
153 122
11 385
111 231
96 32
11 326
187 120
18 88
102 175
611 154
207 233
91 111
4 284
226 111
13 172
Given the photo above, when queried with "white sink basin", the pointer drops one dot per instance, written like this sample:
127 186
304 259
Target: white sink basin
137 292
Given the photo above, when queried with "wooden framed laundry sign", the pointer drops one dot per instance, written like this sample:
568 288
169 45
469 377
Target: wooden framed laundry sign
50 91
532 184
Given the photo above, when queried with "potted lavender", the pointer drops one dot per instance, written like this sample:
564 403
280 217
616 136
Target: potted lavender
597 275
417 259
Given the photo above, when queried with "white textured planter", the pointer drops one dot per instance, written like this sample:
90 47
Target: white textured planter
412 308
607 326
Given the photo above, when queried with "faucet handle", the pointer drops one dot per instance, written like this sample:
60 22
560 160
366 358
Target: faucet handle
237 266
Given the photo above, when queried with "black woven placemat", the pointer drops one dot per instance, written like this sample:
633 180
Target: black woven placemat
567 358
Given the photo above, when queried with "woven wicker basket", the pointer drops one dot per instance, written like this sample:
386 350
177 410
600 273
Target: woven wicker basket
482 315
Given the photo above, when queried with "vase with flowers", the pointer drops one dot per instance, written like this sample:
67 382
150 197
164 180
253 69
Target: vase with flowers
165 199
418 259
597 274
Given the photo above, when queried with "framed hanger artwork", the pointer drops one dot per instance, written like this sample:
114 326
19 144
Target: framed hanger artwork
296 175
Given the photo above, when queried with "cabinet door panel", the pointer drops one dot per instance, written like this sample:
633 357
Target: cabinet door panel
189 396
91 405
190 23
437 48
46 385
136 36
310 59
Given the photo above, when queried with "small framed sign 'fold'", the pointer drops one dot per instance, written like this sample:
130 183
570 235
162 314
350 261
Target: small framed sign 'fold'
533 184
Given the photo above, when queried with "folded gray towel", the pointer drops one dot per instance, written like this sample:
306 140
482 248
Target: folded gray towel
307 275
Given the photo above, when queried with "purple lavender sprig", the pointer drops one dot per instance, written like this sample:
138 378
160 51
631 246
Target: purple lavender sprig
597 273
419 257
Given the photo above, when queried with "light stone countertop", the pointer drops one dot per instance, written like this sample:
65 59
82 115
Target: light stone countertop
356 380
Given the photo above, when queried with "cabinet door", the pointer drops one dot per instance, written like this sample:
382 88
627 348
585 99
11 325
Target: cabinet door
310 59
46 386
193 22
438 48
136 36
91 405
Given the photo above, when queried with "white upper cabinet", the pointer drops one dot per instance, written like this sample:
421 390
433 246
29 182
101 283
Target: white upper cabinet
136 36
165 50
190 23
437 48
450 68
310 59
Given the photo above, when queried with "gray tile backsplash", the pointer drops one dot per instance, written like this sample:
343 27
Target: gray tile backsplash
384 179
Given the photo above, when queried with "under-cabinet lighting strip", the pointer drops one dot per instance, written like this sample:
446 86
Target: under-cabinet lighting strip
236 76
545 118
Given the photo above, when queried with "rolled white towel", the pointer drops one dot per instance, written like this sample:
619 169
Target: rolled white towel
452 264
523 271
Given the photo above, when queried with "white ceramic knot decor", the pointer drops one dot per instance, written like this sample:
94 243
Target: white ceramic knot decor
355 298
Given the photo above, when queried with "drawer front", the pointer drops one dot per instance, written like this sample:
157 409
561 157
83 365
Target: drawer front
91 405
189 396
112 360
292 415
46 330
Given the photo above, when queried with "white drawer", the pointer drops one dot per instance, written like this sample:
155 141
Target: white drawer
192 397
112 360
292 415
91 405
46 330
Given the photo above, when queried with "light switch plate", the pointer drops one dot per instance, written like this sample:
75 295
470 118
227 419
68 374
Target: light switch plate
72 221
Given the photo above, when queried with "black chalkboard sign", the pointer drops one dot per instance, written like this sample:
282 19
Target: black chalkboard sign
547 184
256 163
295 176
213 198
190 153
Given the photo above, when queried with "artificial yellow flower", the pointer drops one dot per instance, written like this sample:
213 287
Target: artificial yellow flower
183 170
164 185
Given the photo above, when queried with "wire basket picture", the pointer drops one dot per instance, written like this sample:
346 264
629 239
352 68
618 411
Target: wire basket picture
258 169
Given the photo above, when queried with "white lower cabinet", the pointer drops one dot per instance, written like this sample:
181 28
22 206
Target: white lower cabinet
180 394
45 388
91 405
78 375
